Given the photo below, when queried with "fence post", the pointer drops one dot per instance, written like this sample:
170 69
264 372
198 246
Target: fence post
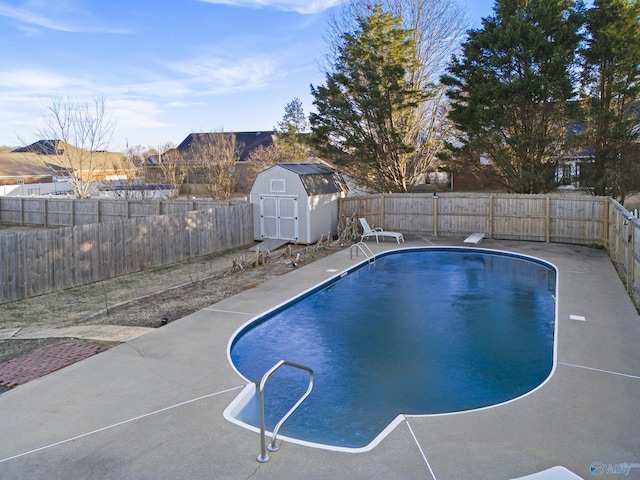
630 260
435 215
607 226
547 220
491 216
45 213
21 211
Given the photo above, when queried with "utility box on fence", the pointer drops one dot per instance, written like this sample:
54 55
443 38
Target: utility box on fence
296 202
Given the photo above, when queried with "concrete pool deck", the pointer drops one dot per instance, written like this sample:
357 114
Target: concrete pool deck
152 408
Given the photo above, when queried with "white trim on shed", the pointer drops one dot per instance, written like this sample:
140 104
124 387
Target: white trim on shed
297 202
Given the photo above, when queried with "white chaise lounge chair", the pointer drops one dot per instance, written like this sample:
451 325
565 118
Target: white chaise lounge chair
367 231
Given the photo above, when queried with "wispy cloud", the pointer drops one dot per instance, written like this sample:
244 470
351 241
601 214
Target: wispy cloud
213 75
142 104
32 16
134 113
39 81
207 74
304 7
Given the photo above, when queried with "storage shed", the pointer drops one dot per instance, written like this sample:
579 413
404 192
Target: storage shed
296 202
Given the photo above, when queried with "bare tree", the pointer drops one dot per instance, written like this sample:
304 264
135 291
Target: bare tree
262 158
214 156
82 132
129 183
430 136
438 27
170 169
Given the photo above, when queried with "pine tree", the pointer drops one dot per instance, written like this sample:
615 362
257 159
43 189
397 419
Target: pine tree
511 89
364 112
291 131
611 96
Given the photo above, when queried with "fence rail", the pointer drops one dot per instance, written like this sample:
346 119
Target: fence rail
69 212
575 219
43 261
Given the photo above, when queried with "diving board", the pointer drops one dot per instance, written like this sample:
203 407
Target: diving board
475 238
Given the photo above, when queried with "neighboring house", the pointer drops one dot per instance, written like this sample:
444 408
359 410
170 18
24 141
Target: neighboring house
23 168
246 142
196 148
43 147
575 170
48 161
571 169
569 175
573 166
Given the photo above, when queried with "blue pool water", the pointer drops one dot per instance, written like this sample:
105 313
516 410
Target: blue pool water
420 331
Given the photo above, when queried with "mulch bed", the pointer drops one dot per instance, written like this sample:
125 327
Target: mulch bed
43 361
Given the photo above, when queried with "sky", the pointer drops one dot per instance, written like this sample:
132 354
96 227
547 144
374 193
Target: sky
166 68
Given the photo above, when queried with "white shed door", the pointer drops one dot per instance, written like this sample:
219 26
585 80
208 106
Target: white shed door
279 217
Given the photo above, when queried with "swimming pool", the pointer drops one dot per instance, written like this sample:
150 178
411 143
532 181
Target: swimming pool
418 332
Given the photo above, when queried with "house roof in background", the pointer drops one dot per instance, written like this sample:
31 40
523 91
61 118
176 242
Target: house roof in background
45 158
43 147
247 141
23 165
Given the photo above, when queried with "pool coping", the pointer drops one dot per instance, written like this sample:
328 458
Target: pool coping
152 408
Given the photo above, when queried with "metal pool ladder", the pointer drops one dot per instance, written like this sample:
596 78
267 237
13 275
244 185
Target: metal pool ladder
364 248
264 456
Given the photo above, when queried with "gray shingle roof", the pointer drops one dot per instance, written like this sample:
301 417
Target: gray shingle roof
317 178
246 141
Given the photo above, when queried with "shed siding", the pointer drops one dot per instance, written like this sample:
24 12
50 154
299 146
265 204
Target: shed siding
317 214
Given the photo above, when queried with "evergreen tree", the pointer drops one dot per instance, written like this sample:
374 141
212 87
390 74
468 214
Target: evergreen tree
511 88
437 27
612 96
364 113
291 131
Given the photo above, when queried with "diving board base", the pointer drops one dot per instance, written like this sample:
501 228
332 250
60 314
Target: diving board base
475 238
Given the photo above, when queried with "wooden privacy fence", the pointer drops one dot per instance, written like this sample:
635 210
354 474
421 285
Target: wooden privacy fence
69 212
624 245
575 219
547 218
43 261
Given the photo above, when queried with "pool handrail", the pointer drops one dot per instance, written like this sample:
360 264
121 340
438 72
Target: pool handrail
361 246
264 456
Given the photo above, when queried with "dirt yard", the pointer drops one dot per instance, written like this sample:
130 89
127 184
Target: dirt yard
147 298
